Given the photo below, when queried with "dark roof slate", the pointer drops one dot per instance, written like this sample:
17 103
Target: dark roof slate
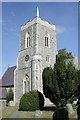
8 77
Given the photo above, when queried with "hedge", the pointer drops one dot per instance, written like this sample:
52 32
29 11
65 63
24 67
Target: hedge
31 101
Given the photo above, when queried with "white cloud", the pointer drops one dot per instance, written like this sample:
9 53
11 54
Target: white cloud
60 29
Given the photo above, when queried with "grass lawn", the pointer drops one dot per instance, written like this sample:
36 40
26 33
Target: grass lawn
0 114
7 111
45 114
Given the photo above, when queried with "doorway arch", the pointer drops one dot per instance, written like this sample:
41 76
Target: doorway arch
26 84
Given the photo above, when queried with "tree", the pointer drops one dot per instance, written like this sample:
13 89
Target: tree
60 83
77 93
31 101
9 96
60 71
71 80
50 86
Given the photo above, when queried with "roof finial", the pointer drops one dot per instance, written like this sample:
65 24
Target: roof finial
37 11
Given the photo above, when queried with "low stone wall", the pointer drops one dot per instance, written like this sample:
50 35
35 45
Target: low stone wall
2 104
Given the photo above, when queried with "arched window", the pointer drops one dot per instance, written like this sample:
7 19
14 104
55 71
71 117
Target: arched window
47 58
26 84
36 77
47 40
27 40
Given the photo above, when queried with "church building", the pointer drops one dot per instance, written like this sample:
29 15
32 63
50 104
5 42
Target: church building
37 51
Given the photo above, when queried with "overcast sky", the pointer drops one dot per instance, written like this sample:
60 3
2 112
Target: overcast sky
14 14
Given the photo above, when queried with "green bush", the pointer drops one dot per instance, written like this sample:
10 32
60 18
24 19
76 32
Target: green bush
9 96
62 103
31 101
70 100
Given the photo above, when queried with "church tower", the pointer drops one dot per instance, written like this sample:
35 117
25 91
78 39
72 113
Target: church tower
37 51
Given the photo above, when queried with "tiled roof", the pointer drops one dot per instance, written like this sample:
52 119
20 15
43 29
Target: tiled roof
8 77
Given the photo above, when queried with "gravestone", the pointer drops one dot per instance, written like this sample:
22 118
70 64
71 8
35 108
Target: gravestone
38 113
60 114
11 103
69 107
78 112
75 102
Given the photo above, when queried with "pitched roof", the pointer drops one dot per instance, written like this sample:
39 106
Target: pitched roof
8 77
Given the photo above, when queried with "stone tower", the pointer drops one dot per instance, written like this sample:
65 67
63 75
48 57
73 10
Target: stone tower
37 51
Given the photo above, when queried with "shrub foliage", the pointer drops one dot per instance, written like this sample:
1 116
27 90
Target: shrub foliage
9 96
31 101
63 82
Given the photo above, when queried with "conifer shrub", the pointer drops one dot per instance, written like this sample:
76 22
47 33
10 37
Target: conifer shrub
31 101
9 96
